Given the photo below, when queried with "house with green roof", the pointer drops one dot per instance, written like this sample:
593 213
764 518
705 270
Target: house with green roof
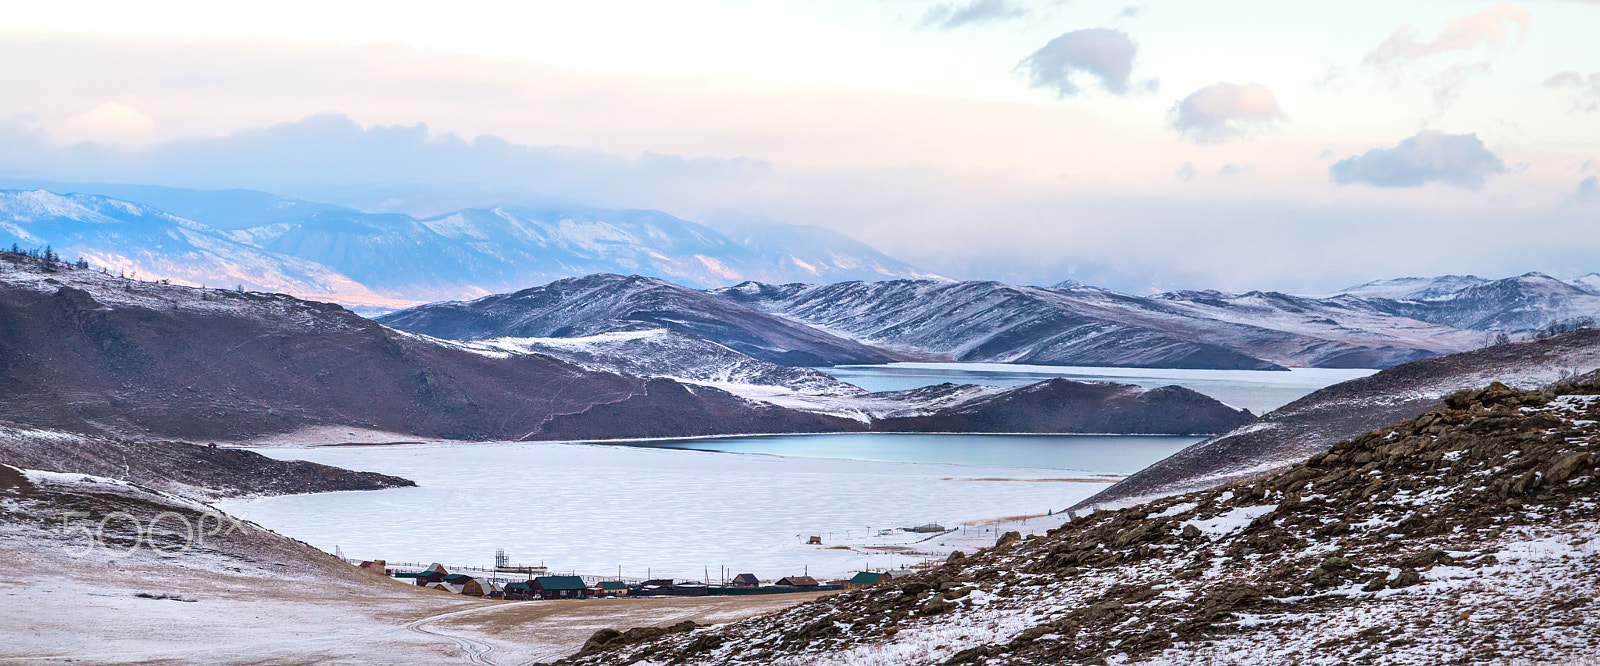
560 587
866 579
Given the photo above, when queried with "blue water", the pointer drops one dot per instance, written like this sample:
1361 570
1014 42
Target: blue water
1105 454
1255 390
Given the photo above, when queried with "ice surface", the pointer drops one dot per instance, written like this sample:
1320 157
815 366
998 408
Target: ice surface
592 508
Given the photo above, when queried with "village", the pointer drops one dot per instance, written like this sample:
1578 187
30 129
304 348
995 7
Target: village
526 583
509 582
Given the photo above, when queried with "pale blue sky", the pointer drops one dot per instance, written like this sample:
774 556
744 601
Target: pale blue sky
880 119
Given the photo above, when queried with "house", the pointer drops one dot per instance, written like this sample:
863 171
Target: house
745 580
379 567
798 581
611 588
424 578
815 540
560 587
519 591
865 580
464 584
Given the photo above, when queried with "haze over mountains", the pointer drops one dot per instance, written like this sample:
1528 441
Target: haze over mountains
800 295
270 243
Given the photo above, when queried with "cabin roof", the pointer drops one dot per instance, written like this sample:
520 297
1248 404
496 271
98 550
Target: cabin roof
560 583
866 578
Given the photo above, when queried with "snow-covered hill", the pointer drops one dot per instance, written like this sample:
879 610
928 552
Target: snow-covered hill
1071 324
1412 288
609 303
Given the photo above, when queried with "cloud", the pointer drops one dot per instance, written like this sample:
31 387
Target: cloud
1589 190
1186 172
331 157
1101 52
1587 87
1429 157
1236 169
111 121
948 16
1223 111
1491 27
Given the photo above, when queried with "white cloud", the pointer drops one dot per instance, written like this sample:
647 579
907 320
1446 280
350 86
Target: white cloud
1431 156
1586 87
1223 111
1488 31
947 16
1490 28
109 122
1099 52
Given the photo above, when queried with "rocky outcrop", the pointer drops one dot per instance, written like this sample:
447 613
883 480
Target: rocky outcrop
1463 535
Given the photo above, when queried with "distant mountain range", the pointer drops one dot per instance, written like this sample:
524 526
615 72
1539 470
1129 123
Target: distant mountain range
1068 324
268 243
798 295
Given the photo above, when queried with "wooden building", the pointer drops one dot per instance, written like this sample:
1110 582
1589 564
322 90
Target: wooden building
560 587
865 579
745 580
611 588
798 581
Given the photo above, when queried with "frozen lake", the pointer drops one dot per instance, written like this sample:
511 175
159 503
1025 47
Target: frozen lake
1112 454
593 508
1256 390
675 508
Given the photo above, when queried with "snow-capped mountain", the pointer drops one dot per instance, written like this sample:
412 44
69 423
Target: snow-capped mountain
1526 302
606 303
136 239
1589 283
1412 288
984 321
1075 325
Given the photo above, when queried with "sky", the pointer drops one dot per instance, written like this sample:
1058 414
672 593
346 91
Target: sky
1143 146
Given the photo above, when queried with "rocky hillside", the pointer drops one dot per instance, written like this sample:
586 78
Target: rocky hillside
606 303
1060 405
1310 424
1464 535
94 353
190 470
